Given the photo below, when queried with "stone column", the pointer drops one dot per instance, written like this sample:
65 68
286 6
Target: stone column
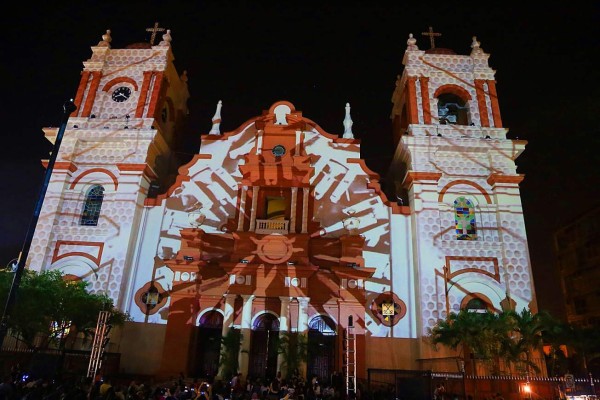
253 210
425 104
242 208
495 105
246 331
284 330
293 210
303 328
305 209
413 109
228 314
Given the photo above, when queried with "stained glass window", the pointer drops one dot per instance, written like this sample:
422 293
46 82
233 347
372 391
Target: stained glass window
92 206
464 218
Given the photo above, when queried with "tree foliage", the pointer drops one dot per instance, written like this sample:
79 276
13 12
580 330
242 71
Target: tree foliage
294 350
509 336
48 306
513 337
230 348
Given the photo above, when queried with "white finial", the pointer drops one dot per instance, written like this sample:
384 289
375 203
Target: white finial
216 120
411 42
475 45
106 39
348 124
166 39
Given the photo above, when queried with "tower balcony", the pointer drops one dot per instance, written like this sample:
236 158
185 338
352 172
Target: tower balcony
268 226
458 131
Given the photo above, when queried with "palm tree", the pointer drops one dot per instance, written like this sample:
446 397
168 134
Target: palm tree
554 334
294 351
466 330
230 348
523 334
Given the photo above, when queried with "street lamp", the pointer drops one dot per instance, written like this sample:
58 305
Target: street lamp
12 264
527 389
68 108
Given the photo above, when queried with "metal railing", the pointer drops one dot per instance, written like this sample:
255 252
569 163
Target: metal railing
272 226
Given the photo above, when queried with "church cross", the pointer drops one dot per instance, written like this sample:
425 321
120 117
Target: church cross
431 34
154 30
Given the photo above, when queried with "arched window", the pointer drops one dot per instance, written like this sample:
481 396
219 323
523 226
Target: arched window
452 110
323 325
464 218
477 305
92 206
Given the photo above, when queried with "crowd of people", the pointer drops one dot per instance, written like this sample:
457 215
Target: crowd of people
20 386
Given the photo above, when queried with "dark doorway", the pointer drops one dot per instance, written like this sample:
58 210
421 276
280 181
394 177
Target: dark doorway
210 330
263 347
321 348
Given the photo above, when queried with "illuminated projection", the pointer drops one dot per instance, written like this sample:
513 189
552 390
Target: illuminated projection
278 230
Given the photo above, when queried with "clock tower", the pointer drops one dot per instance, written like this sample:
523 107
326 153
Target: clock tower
131 103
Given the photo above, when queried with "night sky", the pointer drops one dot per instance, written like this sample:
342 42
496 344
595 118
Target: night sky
319 58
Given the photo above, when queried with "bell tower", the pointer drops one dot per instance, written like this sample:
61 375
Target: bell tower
455 167
131 104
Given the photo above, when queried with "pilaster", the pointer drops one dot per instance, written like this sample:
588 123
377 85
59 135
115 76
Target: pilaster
246 330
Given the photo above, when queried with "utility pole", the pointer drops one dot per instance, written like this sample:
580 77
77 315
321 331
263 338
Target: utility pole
68 108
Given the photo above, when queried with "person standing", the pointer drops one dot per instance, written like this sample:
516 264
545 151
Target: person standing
439 392
236 386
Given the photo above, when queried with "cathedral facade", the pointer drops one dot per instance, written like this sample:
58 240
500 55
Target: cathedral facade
280 228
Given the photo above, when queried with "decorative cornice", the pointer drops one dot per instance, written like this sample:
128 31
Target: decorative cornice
143 168
413 176
61 165
495 179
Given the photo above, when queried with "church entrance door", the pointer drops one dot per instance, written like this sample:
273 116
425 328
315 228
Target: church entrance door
209 332
321 348
263 347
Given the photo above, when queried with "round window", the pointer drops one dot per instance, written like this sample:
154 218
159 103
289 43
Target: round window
278 150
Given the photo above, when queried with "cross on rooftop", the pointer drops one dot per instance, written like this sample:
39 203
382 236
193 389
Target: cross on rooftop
431 34
154 30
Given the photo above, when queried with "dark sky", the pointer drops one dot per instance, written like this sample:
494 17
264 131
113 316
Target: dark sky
319 58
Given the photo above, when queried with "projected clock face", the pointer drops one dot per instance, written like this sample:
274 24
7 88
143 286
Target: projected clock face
278 150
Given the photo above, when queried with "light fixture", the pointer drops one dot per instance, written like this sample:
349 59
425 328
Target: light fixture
188 258
527 389
244 261
291 263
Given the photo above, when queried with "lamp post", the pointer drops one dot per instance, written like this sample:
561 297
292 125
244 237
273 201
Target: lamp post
527 389
68 108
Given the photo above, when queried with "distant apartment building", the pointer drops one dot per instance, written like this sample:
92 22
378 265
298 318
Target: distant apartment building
577 247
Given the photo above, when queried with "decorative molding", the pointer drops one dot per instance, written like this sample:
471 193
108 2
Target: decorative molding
495 179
